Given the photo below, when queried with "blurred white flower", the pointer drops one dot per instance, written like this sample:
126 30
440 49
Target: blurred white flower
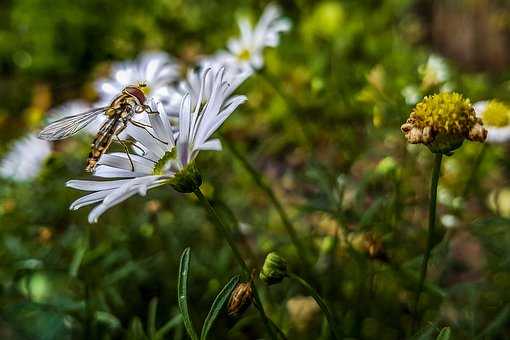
163 156
450 221
434 72
411 94
247 50
25 159
496 119
75 107
157 70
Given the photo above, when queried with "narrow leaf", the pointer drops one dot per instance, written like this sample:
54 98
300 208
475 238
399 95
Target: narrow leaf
182 293
497 324
151 322
79 253
217 306
173 322
135 331
444 334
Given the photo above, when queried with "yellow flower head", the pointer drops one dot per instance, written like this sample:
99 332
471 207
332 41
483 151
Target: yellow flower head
442 122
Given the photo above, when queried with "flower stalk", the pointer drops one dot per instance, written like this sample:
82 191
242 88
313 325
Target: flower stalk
438 157
259 180
321 302
225 232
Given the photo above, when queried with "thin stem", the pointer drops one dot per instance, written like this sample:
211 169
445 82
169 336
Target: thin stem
431 232
225 232
238 232
261 183
322 304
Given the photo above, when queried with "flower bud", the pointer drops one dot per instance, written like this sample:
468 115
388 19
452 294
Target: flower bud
274 269
187 180
240 299
442 122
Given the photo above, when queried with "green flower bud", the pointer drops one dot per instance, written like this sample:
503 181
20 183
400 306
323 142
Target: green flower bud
187 180
274 269
442 122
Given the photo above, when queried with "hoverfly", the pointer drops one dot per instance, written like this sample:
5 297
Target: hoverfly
121 111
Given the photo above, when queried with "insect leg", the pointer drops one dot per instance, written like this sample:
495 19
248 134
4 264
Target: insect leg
127 152
143 126
149 111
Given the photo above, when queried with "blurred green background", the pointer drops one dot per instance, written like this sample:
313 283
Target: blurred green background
322 124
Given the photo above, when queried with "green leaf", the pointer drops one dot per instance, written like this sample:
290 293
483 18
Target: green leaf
173 322
182 293
79 253
497 324
217 306
136 330
36 321
107 319
444 334
151 322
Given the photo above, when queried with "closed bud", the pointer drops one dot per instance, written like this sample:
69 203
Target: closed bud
187 180
240 299
274 269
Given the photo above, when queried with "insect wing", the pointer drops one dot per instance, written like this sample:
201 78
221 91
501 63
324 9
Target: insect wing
68 126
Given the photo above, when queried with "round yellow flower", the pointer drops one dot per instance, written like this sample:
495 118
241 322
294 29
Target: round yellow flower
442 122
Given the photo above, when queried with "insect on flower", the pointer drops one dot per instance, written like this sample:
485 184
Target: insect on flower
119 113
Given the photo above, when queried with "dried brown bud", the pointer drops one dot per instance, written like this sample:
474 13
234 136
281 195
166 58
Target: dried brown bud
369 243
240 299
477 133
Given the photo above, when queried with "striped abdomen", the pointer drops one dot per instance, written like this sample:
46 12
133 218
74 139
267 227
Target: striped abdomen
103 139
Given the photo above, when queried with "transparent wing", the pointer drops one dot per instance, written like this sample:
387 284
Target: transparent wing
68 126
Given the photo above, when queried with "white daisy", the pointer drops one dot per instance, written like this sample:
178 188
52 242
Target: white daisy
232 74
157 70
247 49
25 159
163 156
496 119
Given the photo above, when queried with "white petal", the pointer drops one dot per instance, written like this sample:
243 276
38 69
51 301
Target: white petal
119 162
109 172
95 185
213 145
90 199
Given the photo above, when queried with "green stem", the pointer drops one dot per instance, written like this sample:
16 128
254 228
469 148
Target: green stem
322 304
225 232
431 232
261 183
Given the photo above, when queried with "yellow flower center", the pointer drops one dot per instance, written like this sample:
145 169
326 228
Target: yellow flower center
244 55
445 112
496 114
160 165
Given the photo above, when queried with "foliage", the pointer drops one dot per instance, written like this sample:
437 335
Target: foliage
322 126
